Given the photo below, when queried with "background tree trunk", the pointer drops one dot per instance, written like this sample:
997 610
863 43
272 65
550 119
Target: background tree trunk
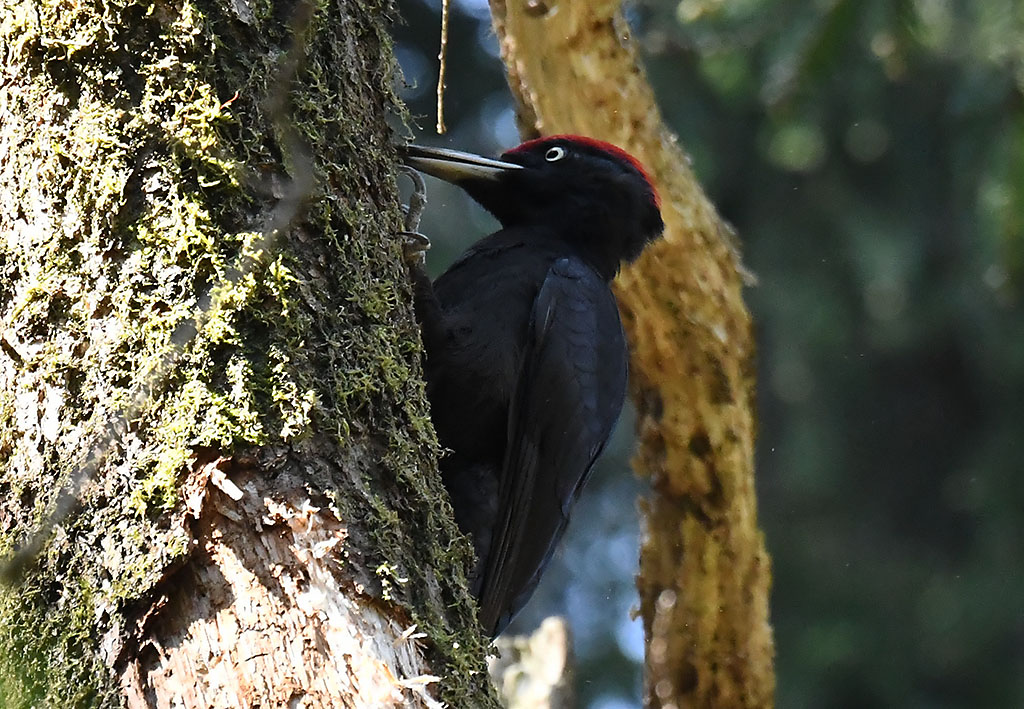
212 410
704 572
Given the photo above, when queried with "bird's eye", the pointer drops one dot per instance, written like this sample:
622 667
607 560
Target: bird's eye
554 154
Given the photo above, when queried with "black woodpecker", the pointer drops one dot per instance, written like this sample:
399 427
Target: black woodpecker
525 356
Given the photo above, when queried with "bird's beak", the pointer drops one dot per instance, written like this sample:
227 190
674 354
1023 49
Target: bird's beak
455 166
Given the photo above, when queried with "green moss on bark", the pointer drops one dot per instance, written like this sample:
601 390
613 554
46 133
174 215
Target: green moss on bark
143 170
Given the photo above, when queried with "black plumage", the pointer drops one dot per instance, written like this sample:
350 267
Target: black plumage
525 358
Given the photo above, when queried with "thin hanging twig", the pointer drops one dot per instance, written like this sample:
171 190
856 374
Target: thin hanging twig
442 56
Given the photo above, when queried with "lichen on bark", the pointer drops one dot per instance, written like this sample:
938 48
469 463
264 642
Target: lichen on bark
151 309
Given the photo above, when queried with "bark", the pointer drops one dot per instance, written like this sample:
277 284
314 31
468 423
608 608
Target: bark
704 572
217 461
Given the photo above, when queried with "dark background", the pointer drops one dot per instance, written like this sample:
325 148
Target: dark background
871 156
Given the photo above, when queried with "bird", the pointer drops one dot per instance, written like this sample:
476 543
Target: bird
525 358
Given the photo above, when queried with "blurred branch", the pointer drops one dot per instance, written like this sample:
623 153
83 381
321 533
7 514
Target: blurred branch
704 573
535 671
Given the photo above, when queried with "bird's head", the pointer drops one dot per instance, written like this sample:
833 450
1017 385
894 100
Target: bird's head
588 192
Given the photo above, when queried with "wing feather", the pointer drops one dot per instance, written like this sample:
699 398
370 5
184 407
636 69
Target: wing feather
568 395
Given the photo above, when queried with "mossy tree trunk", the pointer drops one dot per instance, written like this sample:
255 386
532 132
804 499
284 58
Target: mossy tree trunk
217 462
704 572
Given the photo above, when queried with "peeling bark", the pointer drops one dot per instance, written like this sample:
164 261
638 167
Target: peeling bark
269 610
704 572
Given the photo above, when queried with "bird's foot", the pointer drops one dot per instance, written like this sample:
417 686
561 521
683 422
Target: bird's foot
414 244
417 200
414 248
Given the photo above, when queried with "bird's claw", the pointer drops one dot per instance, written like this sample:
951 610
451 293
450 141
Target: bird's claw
414 248
417 201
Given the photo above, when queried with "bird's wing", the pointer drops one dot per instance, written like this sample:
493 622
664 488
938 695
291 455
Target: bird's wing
568 395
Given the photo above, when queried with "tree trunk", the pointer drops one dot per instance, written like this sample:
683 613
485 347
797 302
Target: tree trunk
219 481
704 572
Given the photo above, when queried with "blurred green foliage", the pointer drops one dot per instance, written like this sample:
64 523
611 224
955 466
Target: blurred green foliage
871 156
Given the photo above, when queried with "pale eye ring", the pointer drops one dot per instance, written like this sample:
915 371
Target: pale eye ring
555 153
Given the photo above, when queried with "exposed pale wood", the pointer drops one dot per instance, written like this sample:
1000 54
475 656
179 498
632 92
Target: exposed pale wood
267 613
705 574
